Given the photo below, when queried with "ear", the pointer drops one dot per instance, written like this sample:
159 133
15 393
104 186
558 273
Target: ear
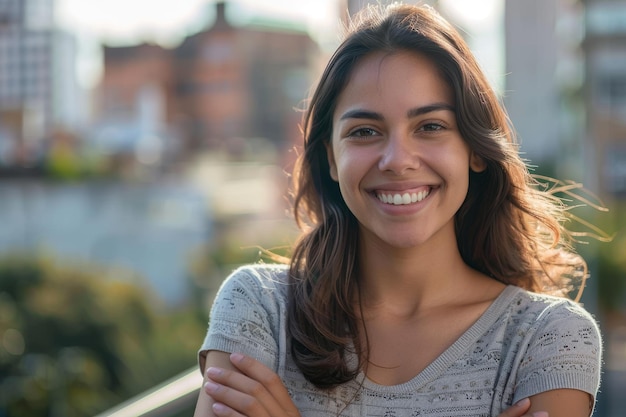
477 163
331 162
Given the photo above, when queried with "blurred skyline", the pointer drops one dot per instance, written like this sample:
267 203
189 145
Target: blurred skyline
119 22
166 22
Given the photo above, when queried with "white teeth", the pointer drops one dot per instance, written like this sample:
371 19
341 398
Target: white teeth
402 199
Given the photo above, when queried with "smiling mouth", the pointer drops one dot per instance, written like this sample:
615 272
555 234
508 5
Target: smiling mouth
399 199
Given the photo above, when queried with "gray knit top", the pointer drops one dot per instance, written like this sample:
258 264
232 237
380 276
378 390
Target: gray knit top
523 344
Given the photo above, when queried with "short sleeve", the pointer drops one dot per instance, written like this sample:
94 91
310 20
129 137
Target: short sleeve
565 353
244 318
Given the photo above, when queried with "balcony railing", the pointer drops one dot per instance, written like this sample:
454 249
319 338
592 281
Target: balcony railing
173 396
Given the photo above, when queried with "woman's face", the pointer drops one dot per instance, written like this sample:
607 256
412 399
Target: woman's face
396 151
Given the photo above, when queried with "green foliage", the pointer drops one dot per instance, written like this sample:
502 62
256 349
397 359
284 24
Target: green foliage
74 341
64 164
612 278
612 262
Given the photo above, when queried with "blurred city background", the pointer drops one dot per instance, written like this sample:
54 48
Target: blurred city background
144 151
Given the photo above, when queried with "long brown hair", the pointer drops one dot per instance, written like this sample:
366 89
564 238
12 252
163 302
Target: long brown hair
507 228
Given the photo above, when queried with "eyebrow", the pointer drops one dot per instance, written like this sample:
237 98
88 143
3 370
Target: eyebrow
418 111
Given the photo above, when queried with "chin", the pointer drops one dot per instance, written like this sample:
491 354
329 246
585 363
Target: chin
405 242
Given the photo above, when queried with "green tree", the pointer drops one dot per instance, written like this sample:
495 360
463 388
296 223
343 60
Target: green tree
74 341
611 264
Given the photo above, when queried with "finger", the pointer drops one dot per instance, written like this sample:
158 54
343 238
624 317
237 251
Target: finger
516 410
267 378
247 395
222 410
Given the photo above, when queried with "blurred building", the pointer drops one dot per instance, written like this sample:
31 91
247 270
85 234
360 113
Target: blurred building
219 86
544 79
605 142
605 95
135 104
37 79
566 95
566 88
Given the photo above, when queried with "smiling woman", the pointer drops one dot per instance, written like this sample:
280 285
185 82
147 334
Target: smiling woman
396 140
430 275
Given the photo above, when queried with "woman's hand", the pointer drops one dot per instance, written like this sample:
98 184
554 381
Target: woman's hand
520 408
255 392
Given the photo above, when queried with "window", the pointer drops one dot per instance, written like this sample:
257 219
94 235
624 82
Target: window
615 169
39 14
218 51
606 18
612 91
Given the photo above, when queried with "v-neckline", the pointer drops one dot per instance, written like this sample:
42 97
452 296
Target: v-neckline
454 351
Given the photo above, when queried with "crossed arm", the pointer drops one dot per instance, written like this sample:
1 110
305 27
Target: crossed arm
239 386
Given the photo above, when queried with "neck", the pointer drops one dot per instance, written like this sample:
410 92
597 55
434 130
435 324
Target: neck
413 279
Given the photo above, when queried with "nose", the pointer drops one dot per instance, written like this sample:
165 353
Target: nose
399 155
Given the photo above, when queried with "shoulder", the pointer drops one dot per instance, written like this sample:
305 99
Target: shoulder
548 319
523 321
544 310
257 282
537 327
248 313
559 342
260 275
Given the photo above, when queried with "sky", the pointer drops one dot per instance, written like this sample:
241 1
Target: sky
119 22
166 21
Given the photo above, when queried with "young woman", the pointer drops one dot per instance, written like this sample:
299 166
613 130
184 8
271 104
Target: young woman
430 275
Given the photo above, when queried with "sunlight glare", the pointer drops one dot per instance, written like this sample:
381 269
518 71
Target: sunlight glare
474 14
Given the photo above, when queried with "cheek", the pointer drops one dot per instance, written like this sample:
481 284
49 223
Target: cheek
455 164
350 166
349 176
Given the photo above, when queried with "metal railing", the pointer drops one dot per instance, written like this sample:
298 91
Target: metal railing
167 399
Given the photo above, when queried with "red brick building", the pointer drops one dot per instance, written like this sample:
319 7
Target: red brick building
224 83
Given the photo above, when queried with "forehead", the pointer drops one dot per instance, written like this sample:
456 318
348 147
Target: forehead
400 78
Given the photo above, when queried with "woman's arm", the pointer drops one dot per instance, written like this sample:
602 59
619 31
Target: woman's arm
563 403
253 390
217 359
563 360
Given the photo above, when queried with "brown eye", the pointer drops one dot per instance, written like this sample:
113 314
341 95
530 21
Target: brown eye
363 133
432 127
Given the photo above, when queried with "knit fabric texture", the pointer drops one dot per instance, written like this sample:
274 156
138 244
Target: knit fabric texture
523 344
